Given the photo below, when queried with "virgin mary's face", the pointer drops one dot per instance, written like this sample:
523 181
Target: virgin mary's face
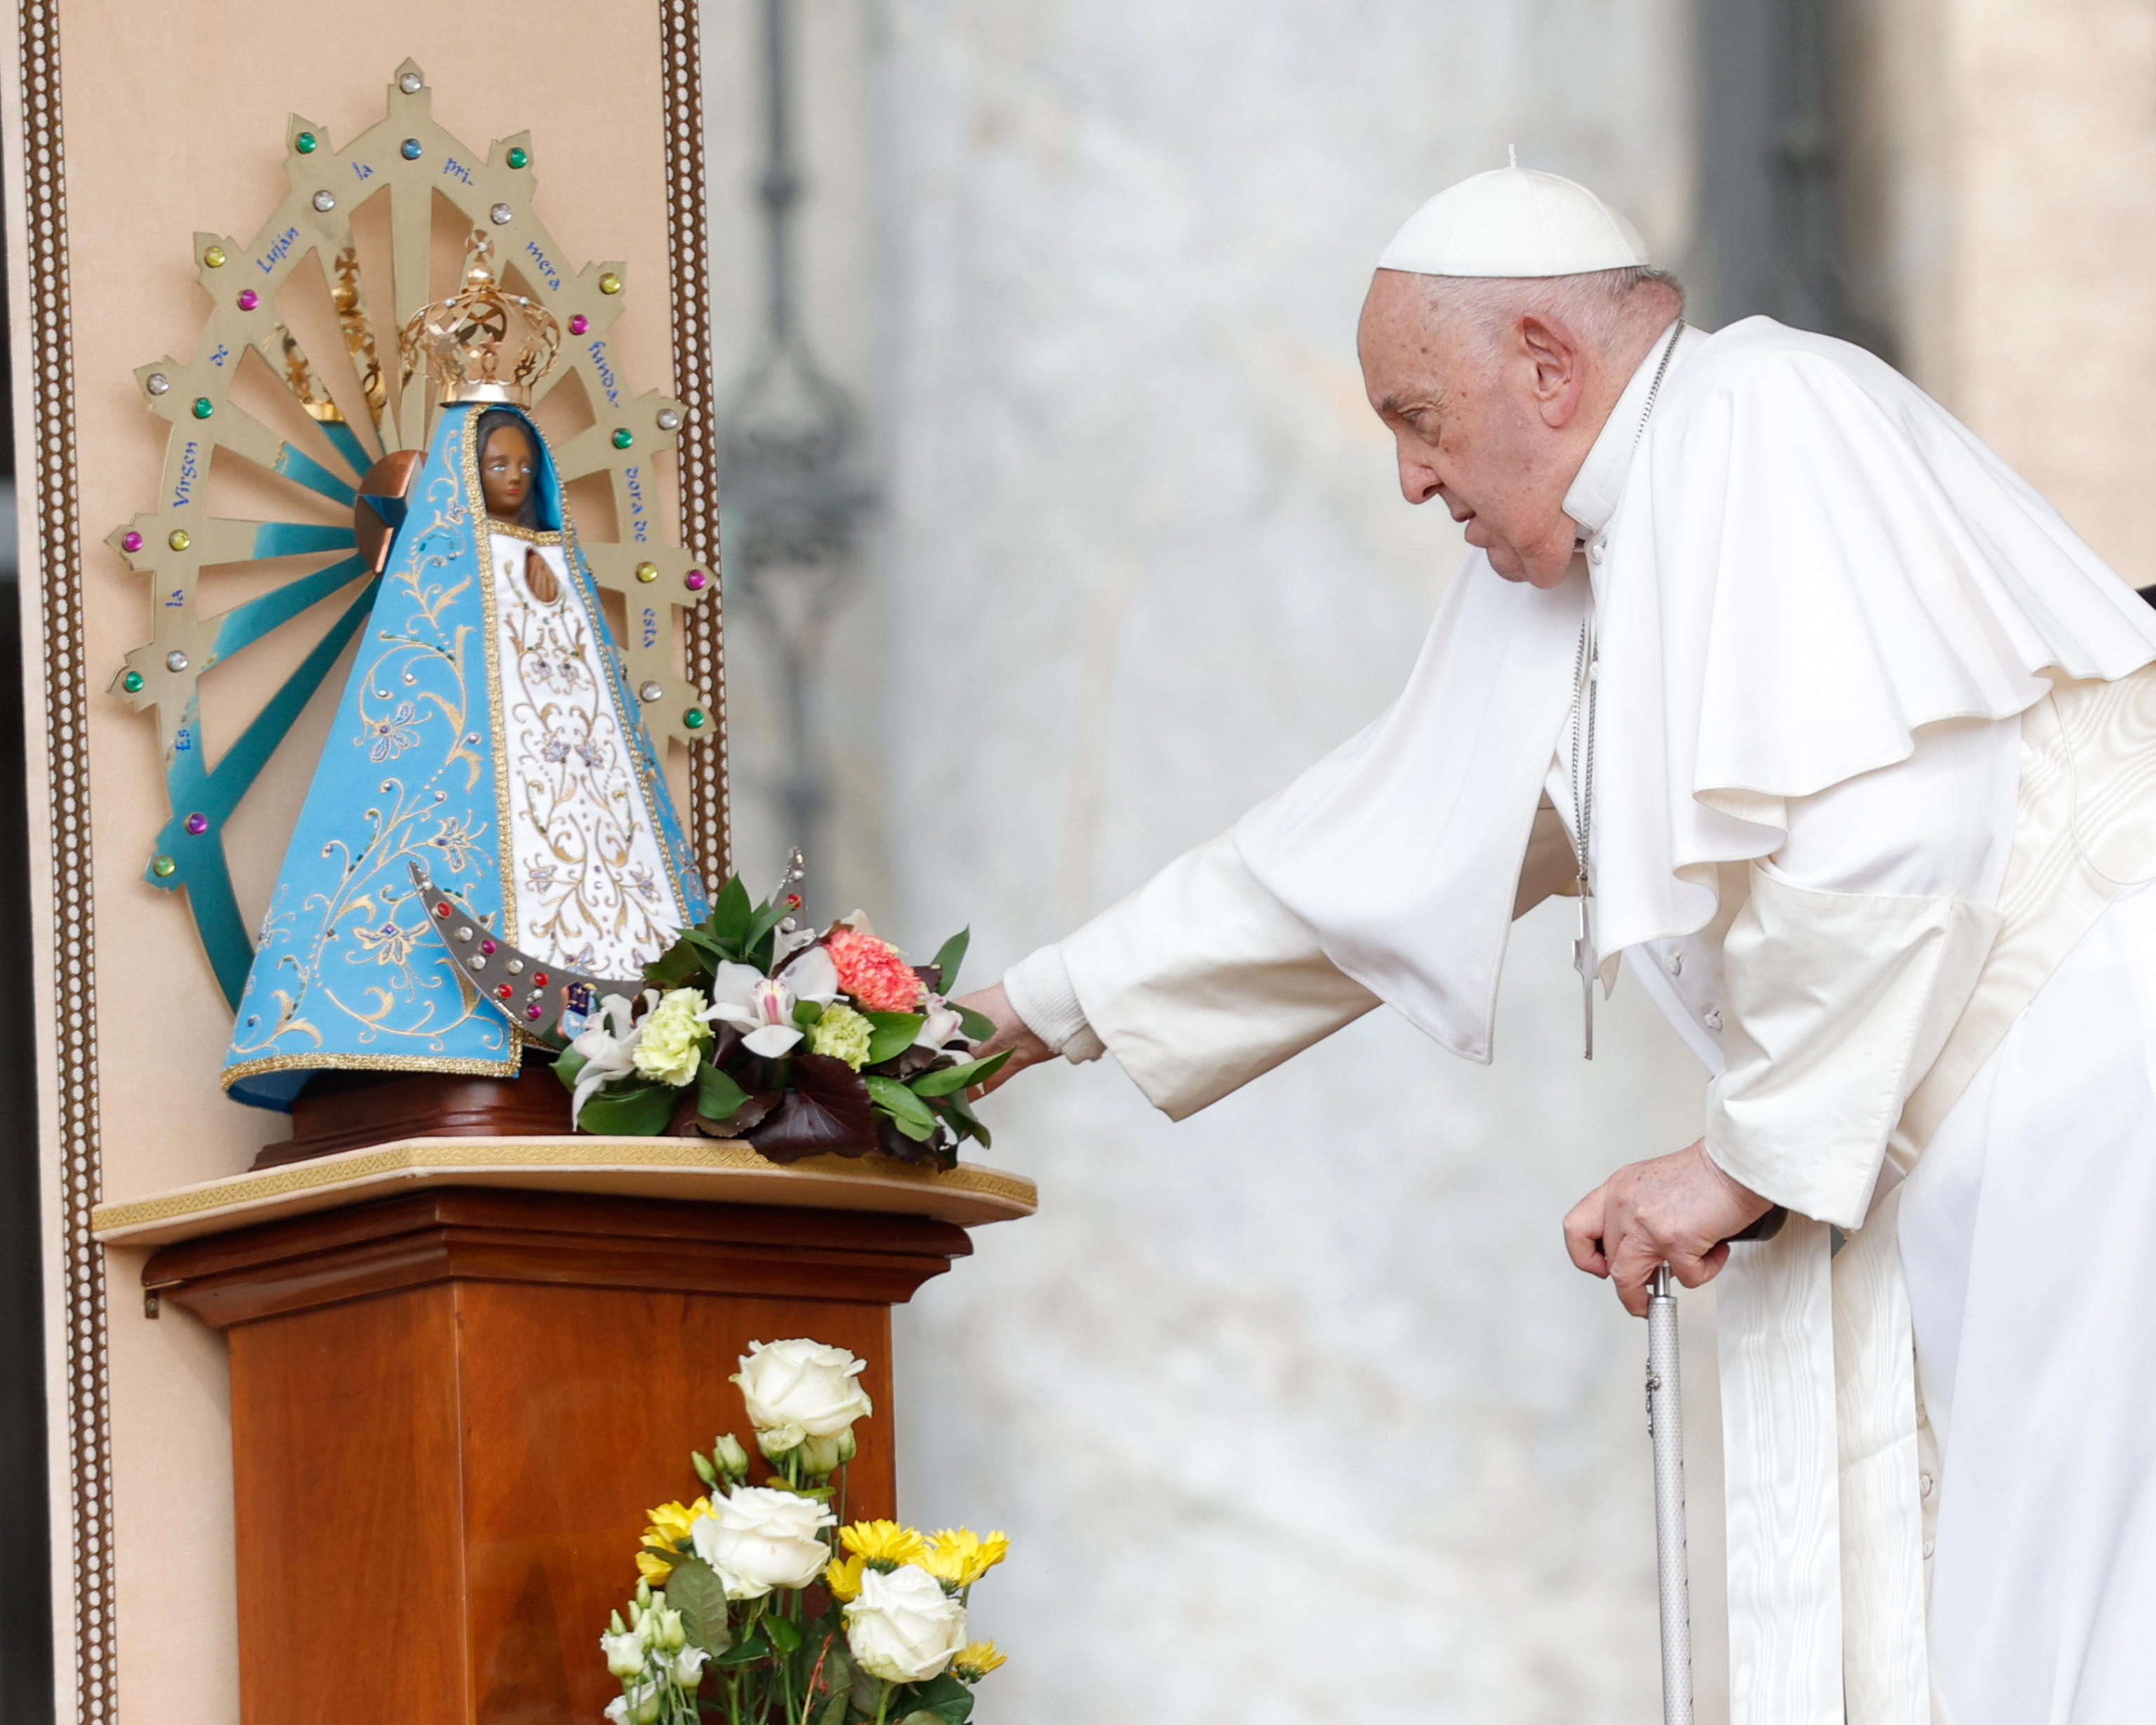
505 468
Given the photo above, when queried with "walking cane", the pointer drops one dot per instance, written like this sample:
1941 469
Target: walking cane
1665 1427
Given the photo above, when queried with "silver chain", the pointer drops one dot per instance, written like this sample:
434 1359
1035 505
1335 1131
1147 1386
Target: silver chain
1585 668
1585 675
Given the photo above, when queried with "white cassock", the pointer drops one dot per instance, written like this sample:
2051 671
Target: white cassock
1874 791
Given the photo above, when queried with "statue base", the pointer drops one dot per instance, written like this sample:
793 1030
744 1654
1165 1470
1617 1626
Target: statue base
351 1111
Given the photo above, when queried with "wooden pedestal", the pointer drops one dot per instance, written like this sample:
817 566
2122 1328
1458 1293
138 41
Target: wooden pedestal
451 1408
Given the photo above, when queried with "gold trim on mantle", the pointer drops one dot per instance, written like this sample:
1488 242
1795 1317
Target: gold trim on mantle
721 1170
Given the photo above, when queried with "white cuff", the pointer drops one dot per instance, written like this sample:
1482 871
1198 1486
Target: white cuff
1038 989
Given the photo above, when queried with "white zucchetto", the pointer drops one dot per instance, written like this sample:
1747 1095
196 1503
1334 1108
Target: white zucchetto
1515 221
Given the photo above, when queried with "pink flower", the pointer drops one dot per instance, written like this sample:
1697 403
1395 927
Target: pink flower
871 971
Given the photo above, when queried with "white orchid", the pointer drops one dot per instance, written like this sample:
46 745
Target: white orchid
940 1024
608 1049
762 1007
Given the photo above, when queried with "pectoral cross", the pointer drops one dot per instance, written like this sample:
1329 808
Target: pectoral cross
1584 962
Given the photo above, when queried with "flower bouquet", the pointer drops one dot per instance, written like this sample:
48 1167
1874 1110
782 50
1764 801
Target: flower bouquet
757 1608
754 1028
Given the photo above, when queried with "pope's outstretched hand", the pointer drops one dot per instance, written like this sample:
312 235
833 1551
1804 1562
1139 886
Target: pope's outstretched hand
1027 1049
1679 1210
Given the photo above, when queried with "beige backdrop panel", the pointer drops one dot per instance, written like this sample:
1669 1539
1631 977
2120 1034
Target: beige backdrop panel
175 120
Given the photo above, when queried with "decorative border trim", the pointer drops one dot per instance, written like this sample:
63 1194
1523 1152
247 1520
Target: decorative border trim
67 736
689 249
967 1194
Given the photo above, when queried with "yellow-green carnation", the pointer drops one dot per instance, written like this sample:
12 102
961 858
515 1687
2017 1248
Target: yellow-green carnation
843 1033
672 1042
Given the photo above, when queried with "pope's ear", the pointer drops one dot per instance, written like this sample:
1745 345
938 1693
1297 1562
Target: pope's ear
1555 369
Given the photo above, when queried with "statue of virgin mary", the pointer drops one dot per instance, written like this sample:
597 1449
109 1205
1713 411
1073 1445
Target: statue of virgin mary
487 734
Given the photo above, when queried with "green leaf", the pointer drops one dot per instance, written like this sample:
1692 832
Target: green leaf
834 1709
893 1035
566 1065
964 1122
678 964
806 1013
695 1591
751 1651
948 958
901 1103
632 1109
765 918
730 915
785 1635
952 1079
978 1026
718 1097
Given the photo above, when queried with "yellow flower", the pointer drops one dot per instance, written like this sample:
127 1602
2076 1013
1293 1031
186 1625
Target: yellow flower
883 1543
961 1557
671 1523
843 1576
841 1032
975 1661
672 1042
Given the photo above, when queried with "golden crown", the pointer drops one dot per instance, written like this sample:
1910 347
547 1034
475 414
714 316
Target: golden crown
465 339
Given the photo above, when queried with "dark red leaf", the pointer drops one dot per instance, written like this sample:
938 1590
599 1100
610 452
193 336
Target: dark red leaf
827 1112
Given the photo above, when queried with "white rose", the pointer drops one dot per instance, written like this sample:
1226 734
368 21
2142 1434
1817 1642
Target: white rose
801 1389
639 1707
624 1653
758 1539
903 1627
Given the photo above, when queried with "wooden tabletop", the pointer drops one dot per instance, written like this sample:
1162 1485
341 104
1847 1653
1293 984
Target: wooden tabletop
705 1169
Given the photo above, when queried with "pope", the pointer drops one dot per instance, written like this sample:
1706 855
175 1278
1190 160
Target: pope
1847 745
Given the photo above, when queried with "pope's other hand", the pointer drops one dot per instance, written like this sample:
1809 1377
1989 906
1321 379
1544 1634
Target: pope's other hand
1027 1049
1679 1210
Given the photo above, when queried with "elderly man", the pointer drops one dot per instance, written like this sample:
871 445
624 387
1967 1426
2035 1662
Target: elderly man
1847 746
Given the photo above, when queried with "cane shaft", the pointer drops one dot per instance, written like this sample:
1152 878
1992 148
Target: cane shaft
1666 1425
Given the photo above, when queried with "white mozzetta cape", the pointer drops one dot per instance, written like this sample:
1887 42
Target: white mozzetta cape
1807 559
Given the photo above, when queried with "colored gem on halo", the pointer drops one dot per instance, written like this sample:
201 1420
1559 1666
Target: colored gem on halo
197 824
133 542
162 866
623 437
305 143
694 718
204 406
487 947
695 580
504 991
538 978
412 149
532 1010
249 299
214 257
179 539
579 324
502 215
156 384
132 682
519 156
647 572
443 911
609 283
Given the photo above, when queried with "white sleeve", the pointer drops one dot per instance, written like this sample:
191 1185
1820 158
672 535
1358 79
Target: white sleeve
1860 944
1196 983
